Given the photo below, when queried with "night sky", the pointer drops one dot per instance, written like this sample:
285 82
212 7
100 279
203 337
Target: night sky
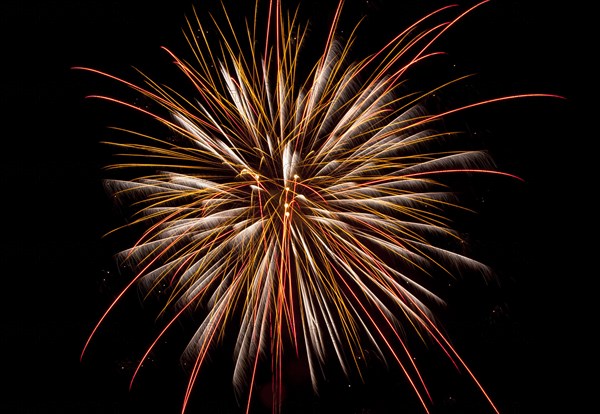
58 271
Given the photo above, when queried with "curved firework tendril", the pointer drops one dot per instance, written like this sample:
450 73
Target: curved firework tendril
308 212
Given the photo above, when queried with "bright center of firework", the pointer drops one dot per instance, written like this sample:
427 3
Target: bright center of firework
275 198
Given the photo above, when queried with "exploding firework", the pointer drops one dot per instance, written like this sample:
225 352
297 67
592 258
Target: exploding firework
298 212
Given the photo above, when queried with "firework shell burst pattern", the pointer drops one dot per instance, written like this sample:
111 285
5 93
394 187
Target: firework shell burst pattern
299 215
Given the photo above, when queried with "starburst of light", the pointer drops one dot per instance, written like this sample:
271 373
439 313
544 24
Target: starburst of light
300 214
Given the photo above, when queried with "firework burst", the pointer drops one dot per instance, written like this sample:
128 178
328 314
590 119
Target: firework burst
297 213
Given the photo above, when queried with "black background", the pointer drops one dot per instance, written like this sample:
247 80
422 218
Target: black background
58 274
